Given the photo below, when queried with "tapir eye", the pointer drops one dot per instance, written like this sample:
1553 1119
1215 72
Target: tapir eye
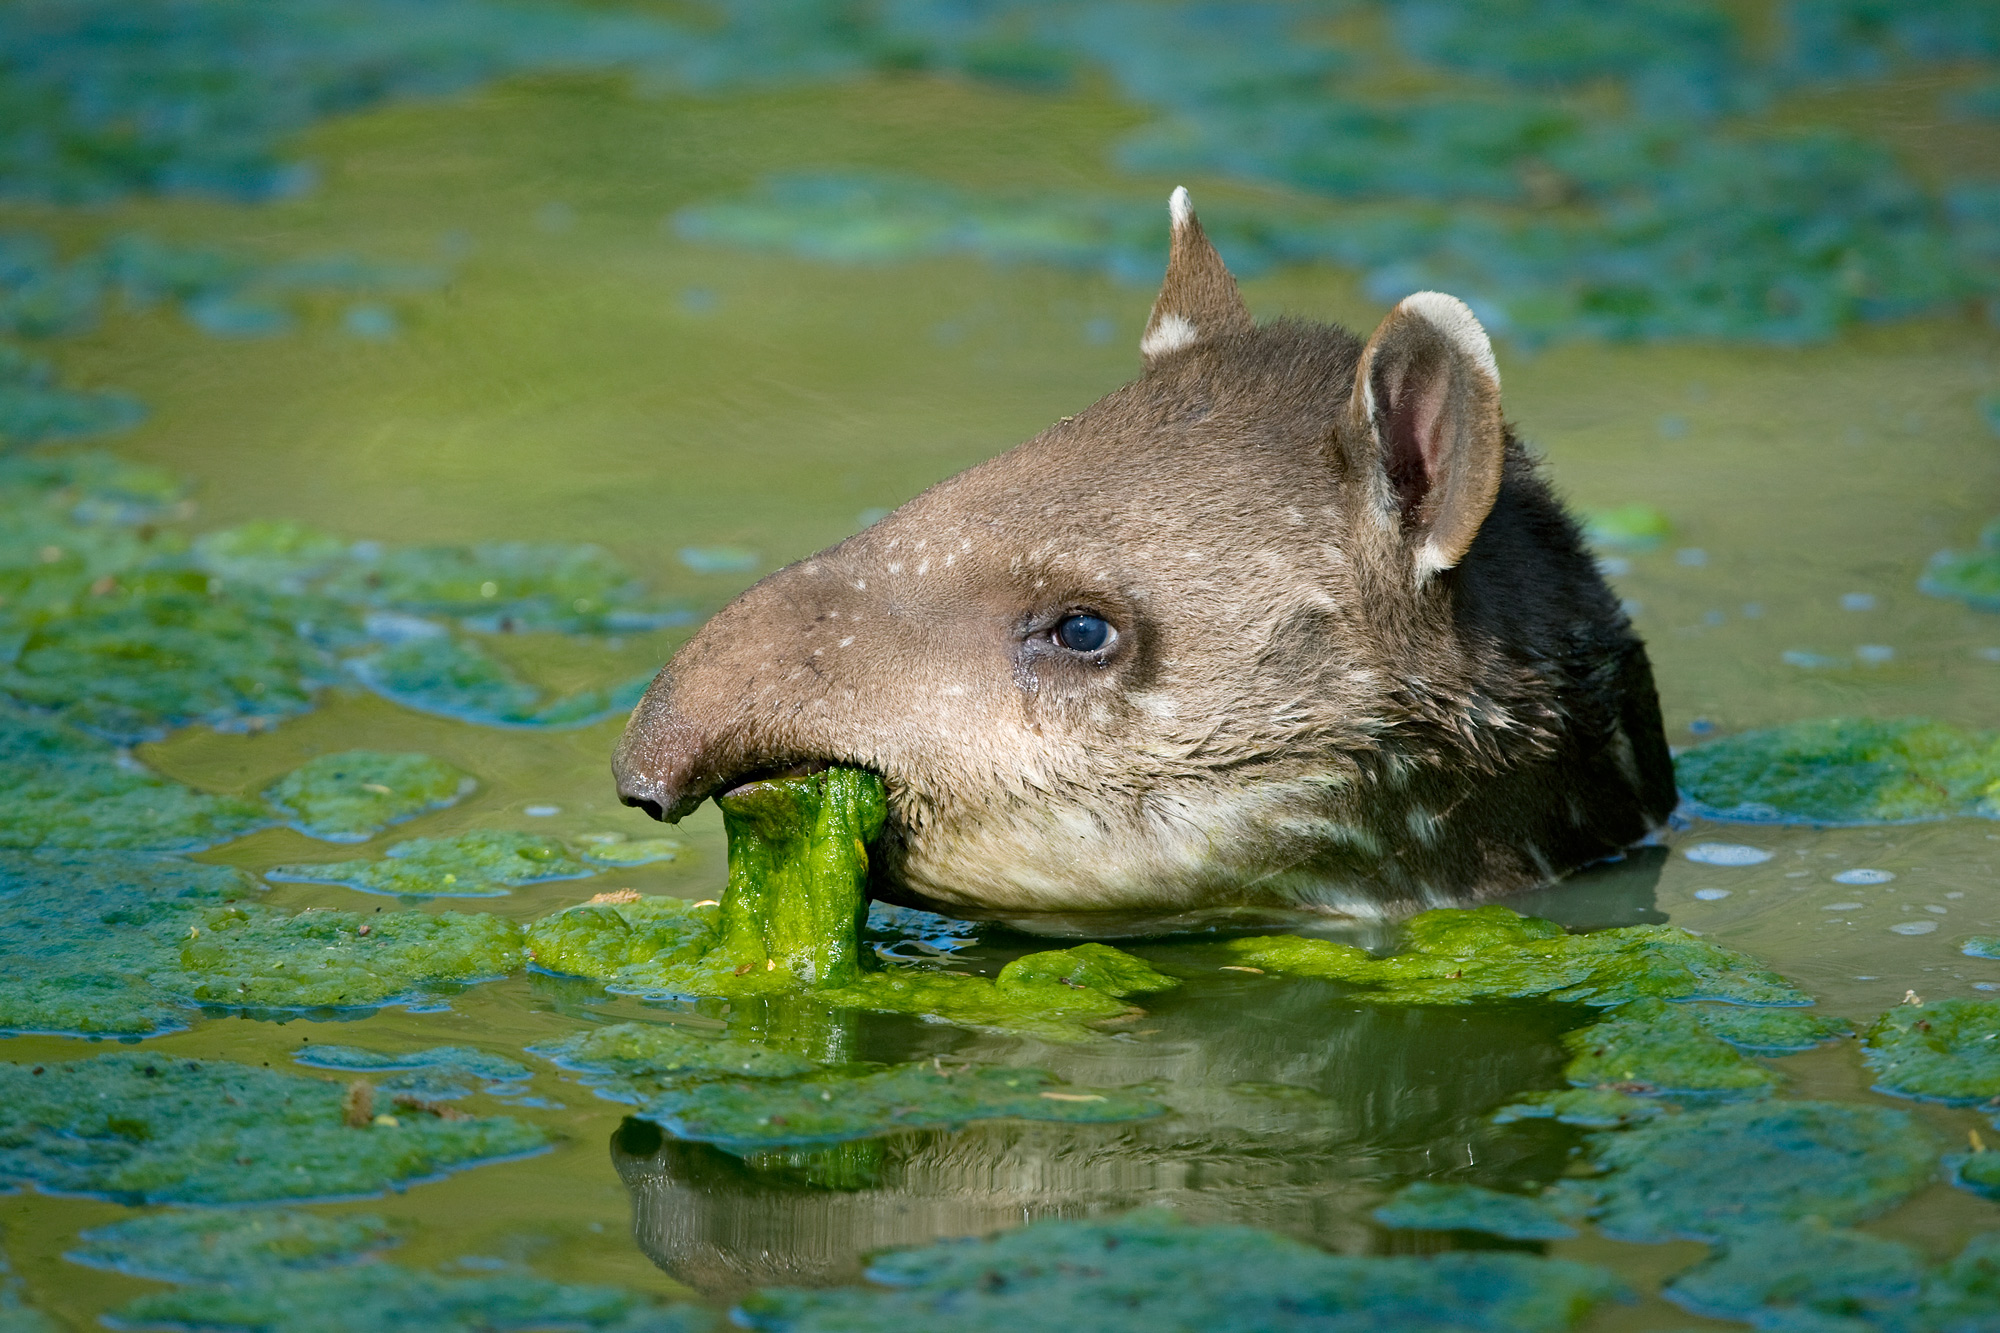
1085 633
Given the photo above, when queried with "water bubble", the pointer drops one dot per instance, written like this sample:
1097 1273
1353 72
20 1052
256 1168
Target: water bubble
1798 657
1841 907
1914 927
1875 654
1857 601
1701 726
1863 876
376 323
541 811
1711 895
1726 854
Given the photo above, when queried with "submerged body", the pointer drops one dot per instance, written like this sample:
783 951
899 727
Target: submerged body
1288 621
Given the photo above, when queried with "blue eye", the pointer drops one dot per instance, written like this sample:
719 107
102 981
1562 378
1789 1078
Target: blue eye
1085 634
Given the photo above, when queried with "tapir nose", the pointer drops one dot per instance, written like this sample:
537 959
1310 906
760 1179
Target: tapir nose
662 761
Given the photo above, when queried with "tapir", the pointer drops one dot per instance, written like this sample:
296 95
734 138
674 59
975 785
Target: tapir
1292 620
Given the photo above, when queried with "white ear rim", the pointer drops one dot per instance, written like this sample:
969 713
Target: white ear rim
1180 207
1455 320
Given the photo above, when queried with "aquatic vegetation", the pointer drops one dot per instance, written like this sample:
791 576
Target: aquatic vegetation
254 958
454 678
146 1129
1459 956
218 1247
744 1115
278 1268
1429 1206
484 863
16 1315
1713 1173
160 652
632 1062
1978 1172
1845 771
1814 1276
1772 1031
353 795
615 849
1651 1046
1973 577
437 1073
1943 1050
61 788
35 409
85 935
1593 1108
1149 1272
200 98
91 487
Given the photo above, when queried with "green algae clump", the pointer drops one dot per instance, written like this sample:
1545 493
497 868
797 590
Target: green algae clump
481 864
1460 956
436 1073
792 917
1650 1046
213 1247
61 788
352 796
1148 1273
1726 1170
1945 1050
437 674
140 1128
1592 1108
632 1062
258 959
1845 771
1430 1206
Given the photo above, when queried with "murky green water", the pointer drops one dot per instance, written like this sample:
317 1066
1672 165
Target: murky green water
587 376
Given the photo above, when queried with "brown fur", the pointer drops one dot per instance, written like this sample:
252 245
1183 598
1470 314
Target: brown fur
1364 662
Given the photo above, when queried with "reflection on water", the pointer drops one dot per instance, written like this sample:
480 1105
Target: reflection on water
1293 1120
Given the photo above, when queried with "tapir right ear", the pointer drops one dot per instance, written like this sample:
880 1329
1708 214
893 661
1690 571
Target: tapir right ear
1425 438
1199 300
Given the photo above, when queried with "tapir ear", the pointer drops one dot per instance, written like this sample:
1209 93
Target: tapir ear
1425 434
1198 301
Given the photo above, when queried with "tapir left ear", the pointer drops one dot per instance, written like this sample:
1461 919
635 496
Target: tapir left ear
1425 436
1199 300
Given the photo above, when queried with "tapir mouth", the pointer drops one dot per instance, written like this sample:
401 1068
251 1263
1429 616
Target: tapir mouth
803 769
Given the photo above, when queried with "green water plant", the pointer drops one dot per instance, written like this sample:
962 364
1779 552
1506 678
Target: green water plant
247 957
435 1073
1844 771
1650 1046
353 795
1940 1050
218 1246
141 1128
1461 956
456 678
1434 1206
791 919
62 788
1148 1273
484 863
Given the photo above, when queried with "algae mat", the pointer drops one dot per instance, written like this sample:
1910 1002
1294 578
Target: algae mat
470 396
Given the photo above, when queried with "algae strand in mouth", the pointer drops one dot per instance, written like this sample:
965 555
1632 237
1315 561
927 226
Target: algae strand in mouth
798 873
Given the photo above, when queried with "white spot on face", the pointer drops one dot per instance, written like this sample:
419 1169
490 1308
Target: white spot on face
847 642
1457 322
896 567
861 585
923 567
1172 333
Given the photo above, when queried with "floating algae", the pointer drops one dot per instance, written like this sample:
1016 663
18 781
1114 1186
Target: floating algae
217 1247
1772 1031
1458 956
1627 528
1845 771
1810 1276
615 849
16 1315
792 917
482 864
279 1269
1713 1173
352 796
91 487
1650 1046
248 957
1944 1050
1592 1108
1147 1273
86 936
437 1073
61 788
633 1062
139 1128
127 944
1973 577
35 409
435 673
1429 1206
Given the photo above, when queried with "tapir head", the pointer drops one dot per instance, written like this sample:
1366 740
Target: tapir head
1287 620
